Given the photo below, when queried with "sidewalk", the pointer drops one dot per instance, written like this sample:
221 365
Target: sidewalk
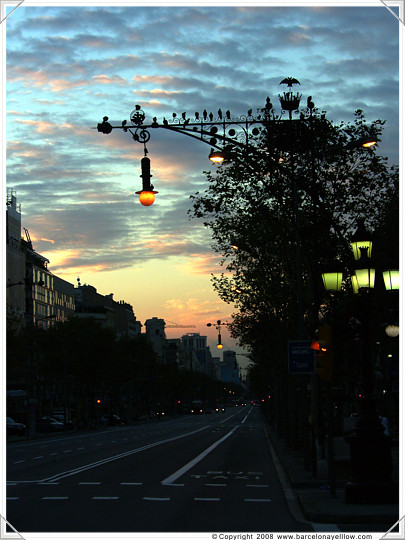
314 496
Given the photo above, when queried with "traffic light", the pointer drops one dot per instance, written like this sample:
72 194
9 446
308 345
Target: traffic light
324 353
98 401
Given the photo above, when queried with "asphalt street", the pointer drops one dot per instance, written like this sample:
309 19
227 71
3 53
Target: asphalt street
205 473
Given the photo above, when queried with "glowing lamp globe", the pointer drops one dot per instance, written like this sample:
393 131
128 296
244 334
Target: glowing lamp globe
146 198
392 330
220 346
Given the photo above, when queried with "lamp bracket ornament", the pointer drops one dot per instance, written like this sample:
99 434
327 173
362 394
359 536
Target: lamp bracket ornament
219 129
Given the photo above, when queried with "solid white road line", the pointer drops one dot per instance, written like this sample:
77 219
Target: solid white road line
176 475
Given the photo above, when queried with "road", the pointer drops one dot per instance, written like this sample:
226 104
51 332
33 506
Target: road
205 473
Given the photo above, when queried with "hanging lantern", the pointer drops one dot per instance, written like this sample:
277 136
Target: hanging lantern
332 276
391 279
361 241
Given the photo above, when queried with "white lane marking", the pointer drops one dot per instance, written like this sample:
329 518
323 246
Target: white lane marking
48 484
54 498
67 451
257 500
89 483
176 475
175 485
105 498
12 498
216 485
54 454
212 499
38 457
22 461
81 448
257 485
244 420
156 499
131 483
119 456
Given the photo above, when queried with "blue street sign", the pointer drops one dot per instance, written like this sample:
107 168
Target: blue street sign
301 358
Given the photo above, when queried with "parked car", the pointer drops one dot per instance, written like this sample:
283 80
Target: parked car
111 420
68 425
14 428
48 424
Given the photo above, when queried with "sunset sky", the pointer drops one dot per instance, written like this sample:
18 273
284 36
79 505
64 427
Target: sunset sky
68 66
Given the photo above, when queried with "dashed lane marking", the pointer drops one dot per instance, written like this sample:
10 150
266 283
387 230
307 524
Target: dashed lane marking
257 485
131 484
89 483
54 498
105 498
216 485
156 498
210 499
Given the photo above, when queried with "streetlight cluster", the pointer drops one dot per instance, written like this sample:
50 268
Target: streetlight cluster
363 275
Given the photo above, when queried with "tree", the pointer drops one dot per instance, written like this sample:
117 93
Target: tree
290 204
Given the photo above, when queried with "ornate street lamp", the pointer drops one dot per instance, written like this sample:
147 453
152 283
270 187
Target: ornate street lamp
218 325
370 449
147 194
216 156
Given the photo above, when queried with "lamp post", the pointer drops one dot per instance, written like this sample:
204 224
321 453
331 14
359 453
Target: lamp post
218 325
370 449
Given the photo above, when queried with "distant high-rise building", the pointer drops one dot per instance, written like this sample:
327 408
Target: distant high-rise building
198 353
155 331
229 367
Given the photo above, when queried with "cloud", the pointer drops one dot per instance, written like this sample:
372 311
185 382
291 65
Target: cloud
76 185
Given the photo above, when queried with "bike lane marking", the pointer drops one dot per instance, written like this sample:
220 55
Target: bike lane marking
176 475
